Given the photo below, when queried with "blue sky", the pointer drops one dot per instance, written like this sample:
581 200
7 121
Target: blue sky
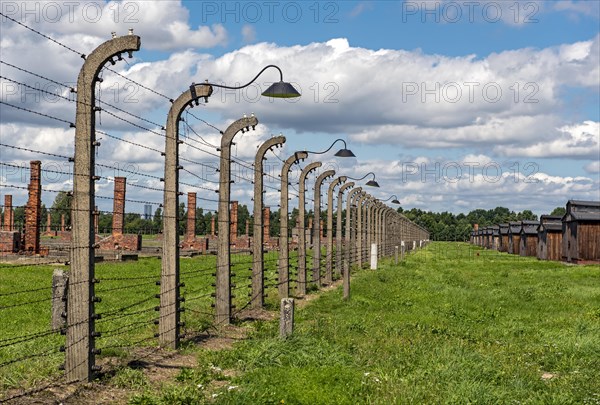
449 28
508 89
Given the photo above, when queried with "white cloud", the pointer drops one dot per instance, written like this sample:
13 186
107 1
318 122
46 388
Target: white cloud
65 21
593 167
438 186
382 96
360 8
583 7
576 141
248 33
514 13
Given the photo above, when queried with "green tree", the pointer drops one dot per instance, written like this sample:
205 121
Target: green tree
158 220
200 224
527 215
207 222
105 223
19 218
43 217
61 206
243 215
559 211
275 226
293 218
181 215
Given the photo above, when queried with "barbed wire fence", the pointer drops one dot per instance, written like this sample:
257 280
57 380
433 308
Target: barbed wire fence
126 307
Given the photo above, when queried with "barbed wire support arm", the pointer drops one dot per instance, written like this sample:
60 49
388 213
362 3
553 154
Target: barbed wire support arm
80 345
169 312
258 295
223 282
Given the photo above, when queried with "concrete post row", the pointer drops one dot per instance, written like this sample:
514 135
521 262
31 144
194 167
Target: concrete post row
80 345
284 253
169 311
259 232
329 258
223 279
316 273
301 287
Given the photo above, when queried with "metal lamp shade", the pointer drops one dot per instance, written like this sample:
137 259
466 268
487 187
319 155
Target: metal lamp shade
372 183
281 90
345 153
394 201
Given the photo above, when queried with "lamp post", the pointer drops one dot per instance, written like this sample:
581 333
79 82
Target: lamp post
394 201
329 258
354 226
344 152
301 287
371 226
370 183
338 232
317 227
279 89
378 228
169 302
284 252
258 238
81 334
168 324
346 275
359 232
223 280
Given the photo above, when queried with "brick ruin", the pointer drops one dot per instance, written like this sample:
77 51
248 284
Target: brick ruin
9 239
9 217
266 224
238 242
31 240
49 231
118 240
233 223
190 241
65 232
96 220
322 228
268 242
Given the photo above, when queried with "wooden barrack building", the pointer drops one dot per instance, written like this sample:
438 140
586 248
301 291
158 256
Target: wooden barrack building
581 232
549 238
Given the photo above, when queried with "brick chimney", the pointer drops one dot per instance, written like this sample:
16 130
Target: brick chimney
266 223
119 206
212 226
233 221
33 209
96 220
190 230
8 221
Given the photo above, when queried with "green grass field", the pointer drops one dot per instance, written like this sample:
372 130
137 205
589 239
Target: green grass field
128 306
452 324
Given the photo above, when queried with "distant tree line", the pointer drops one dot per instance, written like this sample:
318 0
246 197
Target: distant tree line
441 225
